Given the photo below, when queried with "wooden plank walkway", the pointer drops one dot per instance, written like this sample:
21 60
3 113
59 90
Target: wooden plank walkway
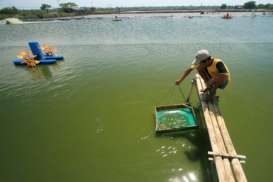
227 162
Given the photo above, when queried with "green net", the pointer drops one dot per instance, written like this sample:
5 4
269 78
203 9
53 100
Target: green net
175 119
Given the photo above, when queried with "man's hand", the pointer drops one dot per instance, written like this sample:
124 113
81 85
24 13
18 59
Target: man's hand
177 82
185 74
211 83
204 90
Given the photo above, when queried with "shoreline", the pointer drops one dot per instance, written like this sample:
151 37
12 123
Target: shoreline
163 13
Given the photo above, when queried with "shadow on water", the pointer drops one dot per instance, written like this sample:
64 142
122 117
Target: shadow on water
39 72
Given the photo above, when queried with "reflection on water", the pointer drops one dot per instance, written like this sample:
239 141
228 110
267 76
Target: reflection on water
139 30
166 151
39 72
184 177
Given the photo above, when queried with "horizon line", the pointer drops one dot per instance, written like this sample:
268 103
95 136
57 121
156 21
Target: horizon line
199 6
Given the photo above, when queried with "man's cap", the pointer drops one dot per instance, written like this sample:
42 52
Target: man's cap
201 55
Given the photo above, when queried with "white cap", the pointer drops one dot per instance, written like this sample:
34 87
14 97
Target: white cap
201 55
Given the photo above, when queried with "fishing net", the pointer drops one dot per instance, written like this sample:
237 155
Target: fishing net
172 118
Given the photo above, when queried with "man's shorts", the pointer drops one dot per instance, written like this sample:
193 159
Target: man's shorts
223 85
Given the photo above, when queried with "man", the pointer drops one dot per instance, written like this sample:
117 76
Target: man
213 70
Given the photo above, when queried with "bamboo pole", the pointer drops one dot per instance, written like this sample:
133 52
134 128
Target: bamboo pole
237 168
219 163
240 157
221 144
214 130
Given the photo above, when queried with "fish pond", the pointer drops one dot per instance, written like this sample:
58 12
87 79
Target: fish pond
90 118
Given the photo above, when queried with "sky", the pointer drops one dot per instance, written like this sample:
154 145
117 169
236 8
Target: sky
29 4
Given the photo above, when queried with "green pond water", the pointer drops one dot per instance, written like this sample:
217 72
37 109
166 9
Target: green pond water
90 118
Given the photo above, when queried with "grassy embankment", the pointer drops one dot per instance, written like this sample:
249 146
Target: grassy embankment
69 12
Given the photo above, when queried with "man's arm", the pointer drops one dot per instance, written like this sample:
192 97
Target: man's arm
183 76
218 80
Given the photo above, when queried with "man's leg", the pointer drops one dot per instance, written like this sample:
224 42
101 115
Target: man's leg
213 89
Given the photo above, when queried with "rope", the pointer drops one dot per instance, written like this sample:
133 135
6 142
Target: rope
181 93
172 95
190 92
187 100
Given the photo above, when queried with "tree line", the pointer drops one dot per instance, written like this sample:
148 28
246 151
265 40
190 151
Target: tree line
72 9
250 5
46 11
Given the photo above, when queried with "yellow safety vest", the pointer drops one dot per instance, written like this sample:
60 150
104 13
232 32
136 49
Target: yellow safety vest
212 69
